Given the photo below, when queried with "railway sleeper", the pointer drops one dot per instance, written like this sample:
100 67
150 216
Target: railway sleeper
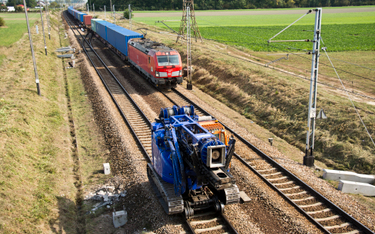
351 232
337 226
327 218
290 188
295 194
201 230
311 205
284 183
280 178
265 170
272 174
318 211
303 199
204 221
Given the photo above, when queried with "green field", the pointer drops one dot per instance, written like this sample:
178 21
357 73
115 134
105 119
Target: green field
342 37
340 31
267 9
15 27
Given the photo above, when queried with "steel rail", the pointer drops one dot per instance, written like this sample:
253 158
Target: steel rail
109 92
293 177
228 224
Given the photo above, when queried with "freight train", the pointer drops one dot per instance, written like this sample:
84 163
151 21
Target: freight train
158 63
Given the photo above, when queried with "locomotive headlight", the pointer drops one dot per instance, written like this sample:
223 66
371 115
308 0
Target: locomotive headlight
180 73
157 74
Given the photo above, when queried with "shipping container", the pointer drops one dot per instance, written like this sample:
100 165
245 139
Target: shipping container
87 20
102 26
123 35
94 23
80 16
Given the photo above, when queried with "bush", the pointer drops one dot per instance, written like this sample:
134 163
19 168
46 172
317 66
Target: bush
2 22
18 8
3 8
126 14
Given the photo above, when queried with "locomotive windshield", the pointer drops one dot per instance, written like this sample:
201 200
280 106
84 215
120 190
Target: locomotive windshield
166 60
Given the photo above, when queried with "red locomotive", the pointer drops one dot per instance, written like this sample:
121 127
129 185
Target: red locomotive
159 63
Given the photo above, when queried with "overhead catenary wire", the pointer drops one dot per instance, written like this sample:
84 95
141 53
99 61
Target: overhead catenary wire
288 47
347 93
269 40
353 64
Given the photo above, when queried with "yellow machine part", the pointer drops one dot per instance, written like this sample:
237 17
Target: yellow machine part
217 129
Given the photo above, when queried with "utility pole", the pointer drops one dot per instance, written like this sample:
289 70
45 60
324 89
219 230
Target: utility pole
48 23
44 36
114 14
308 160
105 13
130 18
189 85
110 5
194 25
93 8
32 49
88 9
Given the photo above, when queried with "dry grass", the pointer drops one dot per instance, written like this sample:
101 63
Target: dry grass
35 139
37 180
279 103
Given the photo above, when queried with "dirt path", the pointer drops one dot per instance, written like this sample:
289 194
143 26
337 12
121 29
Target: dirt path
255 12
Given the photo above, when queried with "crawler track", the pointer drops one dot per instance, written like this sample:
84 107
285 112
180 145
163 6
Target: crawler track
140 126
318 209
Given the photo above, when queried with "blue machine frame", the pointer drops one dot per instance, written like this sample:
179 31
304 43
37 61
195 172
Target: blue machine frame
171 138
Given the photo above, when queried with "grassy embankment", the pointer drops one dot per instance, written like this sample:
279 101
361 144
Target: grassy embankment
279 102
37 180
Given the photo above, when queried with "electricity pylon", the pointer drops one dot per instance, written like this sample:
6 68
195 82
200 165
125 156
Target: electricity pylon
194 26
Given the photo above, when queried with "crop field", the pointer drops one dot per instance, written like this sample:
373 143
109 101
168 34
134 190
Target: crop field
15 26
340 31
342 37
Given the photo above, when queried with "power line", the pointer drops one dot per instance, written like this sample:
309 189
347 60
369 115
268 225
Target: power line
347 93
290 48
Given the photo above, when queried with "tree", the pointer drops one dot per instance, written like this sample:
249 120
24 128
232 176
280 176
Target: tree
126 14
31 3
54 5
3 8
18 8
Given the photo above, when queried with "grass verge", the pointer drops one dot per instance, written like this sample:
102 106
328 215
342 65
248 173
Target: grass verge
15 27
37 179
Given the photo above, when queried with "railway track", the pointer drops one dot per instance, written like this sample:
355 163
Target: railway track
210 222
140 126
318 209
